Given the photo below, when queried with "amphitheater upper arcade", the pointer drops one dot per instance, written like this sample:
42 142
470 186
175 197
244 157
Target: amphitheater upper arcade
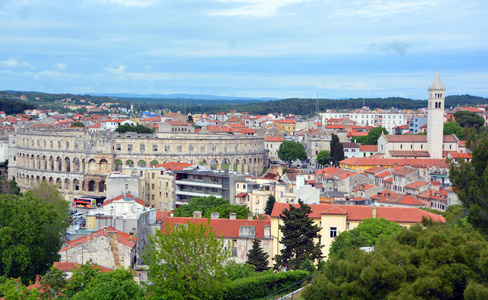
78 161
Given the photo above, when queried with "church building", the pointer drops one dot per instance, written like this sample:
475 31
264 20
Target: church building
433 145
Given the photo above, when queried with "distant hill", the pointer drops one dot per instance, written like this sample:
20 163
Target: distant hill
179 96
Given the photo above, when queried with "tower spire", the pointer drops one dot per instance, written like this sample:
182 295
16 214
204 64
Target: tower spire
437 85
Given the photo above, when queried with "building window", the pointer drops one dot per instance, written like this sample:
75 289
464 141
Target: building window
333 232
129 147
118 147
347 226
155 147
142 147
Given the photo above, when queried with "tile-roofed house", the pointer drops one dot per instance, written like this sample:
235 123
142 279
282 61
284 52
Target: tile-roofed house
99 246
333 219
412 146
237 232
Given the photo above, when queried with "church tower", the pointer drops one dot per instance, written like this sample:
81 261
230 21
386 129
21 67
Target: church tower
435 119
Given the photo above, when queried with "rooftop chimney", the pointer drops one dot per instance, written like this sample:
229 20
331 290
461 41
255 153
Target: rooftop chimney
232 216
214 215
250 217
197 214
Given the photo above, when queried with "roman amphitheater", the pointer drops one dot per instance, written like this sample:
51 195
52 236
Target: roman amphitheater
78 161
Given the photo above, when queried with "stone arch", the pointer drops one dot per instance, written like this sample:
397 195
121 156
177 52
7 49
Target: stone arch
129 163
118 165
76 184
38 160
51 163
32 161
154 162
38 179
67 164
103 165
51 180
142 163
91 185
67 184
76 164
92 165
214 164
43 178
101 186
59 163
226 164
58 183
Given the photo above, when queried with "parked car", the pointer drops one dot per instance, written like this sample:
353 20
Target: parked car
77 216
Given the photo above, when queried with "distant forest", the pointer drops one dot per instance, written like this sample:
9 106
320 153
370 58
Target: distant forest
295 106
11 107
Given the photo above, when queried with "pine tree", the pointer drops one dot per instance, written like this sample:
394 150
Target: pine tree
299 233
257 257
269 205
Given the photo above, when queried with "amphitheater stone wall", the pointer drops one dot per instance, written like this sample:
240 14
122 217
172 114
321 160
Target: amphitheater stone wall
78 161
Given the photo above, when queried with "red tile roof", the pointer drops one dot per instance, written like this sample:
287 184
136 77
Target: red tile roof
273 139
222 227
122 196
368 148
122 238
175 165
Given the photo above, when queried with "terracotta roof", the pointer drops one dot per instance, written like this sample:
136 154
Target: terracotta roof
460 155
375 161
222 227
350 145
406 138
406 215
287 121
416 185
177 123
122 196
241 195
368 148
175 165
273 139
334 210
404 171
406 153
410 200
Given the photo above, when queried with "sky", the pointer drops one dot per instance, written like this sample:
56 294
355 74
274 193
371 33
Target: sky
245 48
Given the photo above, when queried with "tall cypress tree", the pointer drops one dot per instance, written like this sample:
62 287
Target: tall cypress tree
257 257
299 233
269 205
336 150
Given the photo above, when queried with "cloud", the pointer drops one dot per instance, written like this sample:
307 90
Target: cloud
60 66
116 70
381 8
255 8
138 3
399 48
13 63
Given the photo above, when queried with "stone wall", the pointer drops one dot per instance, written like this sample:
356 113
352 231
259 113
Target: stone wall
78 161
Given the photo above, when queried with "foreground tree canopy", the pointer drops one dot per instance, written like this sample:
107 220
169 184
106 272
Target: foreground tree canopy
374 134
470 181
290 151
139 128
207 205
323 158
365 235
186 262
30 235
469 119
439 262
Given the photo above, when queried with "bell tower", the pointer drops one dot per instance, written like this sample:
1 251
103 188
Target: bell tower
435 118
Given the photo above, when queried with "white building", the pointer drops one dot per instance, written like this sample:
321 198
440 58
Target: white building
386 119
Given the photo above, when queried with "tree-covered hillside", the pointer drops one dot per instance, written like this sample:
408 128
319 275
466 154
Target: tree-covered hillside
14 107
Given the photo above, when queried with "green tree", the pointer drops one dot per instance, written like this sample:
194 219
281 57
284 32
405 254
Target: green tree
323 158
365 235
374 134
13 289
269 204
9 187
398 130
470 181
257 257
437 262
469 119
299 235
336 150
78 124
186 262
139 128
290 151
452 128
210 204
30 236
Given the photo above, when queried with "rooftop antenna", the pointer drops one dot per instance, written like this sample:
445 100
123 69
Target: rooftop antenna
317 104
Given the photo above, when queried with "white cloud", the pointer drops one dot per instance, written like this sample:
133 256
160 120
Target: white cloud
255 8
60 66
116 70
137 3
381 8
13 63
